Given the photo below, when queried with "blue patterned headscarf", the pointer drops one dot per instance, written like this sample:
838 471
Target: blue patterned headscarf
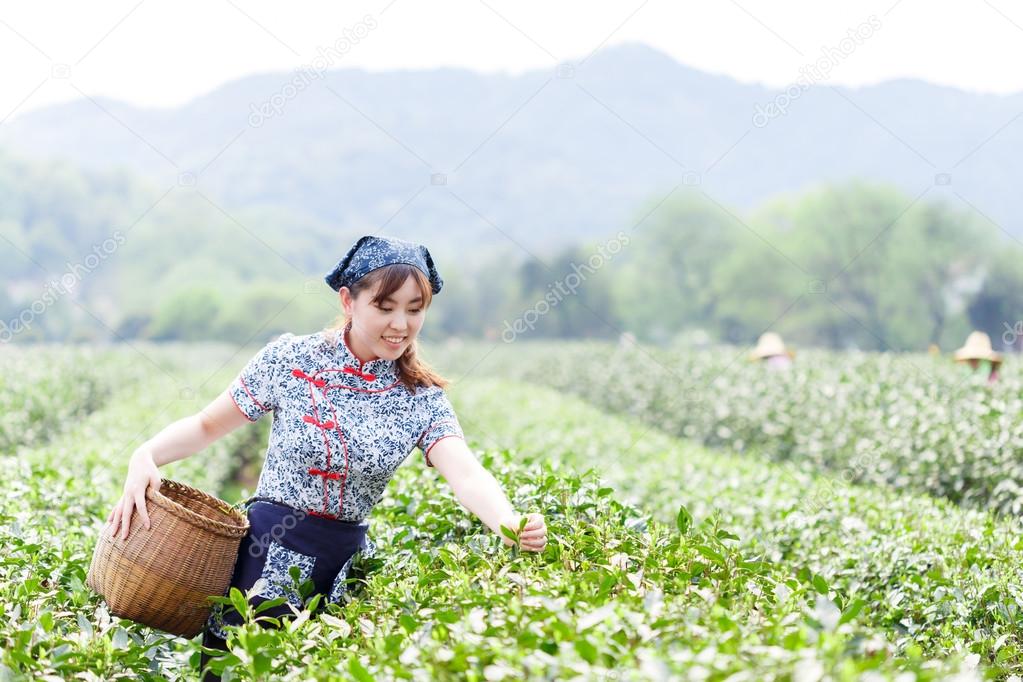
372 252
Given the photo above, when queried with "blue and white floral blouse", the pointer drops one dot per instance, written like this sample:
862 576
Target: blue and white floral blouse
341 427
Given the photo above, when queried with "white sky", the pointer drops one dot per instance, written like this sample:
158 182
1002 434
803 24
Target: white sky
160 53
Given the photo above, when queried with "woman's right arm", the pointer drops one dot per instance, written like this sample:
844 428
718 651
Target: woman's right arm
177 440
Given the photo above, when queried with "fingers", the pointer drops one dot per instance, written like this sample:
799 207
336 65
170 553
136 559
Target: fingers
534 546
140 504
115 518
533 536
534 529
535 521
126 506
533 541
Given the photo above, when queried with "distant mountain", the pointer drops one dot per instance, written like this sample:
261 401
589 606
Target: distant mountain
542 159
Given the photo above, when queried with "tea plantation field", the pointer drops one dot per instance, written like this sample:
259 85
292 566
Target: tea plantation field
743 551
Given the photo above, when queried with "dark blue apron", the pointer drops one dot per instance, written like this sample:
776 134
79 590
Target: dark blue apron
280 537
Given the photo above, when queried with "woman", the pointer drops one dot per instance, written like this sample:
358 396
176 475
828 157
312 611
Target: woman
350 404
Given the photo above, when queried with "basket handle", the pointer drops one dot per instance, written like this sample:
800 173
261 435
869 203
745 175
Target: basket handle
244 504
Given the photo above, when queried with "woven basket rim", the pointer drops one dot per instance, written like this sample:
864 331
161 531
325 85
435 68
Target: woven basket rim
194 518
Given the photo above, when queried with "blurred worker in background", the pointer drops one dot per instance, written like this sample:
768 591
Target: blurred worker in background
772 351
979 355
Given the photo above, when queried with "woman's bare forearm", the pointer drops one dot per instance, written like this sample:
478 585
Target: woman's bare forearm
482 495
187 436
178 440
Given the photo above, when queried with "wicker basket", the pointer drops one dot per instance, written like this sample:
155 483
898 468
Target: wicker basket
161 577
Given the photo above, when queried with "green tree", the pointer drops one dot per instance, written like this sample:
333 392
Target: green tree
878 269
933 256
264 310
665 279
998 307
187 315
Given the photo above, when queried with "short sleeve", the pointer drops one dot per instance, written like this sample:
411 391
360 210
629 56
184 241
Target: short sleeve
257 388
441 422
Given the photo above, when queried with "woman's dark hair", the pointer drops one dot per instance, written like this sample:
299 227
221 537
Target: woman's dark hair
412 371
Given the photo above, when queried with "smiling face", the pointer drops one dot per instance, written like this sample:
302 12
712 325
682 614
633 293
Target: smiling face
385 328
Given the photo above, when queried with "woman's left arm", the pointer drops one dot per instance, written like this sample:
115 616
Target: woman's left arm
479 492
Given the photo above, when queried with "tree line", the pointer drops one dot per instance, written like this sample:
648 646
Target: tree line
851 265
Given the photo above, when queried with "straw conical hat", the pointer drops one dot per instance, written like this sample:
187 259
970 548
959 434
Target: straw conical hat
977 347
769 344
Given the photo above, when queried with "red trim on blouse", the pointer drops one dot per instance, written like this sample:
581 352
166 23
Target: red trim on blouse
258 404
344 340
359 373
364 390
344 445
326 474
431 427
427 453
244 414
349 370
